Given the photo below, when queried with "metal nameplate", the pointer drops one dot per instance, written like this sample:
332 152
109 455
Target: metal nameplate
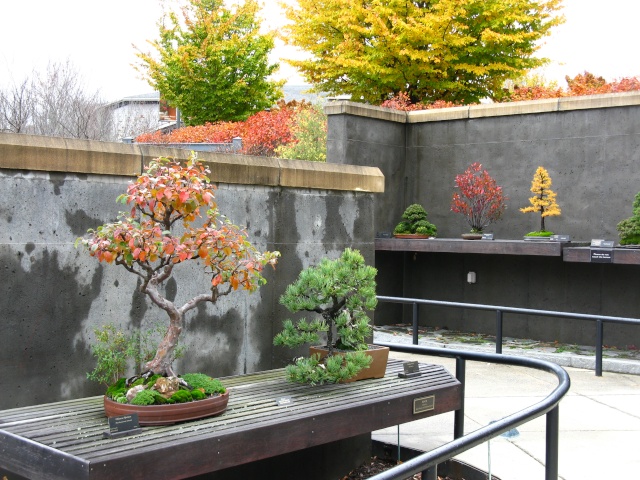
424 404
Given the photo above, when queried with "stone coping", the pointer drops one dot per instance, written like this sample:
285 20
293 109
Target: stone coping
58 154
564 104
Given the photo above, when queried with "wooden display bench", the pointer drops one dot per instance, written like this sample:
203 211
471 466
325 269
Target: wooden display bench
266 417
453 245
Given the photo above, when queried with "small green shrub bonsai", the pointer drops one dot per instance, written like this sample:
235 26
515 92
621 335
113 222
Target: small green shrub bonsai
340 291
629 228
415 222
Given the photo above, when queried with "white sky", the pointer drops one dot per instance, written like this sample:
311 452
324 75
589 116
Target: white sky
97 37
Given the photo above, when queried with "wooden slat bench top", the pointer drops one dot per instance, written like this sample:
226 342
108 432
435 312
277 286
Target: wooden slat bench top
64 440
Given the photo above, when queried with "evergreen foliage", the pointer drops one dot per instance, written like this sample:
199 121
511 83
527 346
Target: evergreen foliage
415 221
340 291
629 228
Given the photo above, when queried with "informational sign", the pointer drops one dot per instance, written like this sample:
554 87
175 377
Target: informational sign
560 238
601 251
424 404
122 426
487 236
411 369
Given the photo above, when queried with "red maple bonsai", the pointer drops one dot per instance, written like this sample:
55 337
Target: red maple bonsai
479 198
167 197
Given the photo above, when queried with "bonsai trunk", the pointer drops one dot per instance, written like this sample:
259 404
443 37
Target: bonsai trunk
161 363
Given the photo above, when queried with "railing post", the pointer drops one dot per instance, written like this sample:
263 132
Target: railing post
415 323
551 462
458 420
430 473
498 331
599 341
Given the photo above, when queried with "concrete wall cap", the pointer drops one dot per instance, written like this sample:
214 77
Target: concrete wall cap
485 110
57 154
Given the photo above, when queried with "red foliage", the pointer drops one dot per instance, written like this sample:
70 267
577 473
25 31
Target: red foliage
480 198
402 101
261 133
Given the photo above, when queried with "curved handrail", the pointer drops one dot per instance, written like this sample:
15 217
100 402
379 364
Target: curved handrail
477 437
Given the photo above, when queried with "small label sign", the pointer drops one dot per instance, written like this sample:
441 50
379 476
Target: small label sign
123 423
424 404
560 238
602 243
284 401
411 369
601 256
487 236
122 426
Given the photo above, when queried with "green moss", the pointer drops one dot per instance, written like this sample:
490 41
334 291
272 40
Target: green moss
144 397
152 380
200 380
198 394
541 233
182 396
120 387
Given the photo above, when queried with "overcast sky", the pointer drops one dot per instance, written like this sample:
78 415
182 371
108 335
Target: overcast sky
97 37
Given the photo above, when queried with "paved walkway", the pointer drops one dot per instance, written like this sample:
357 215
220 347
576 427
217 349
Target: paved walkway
599 420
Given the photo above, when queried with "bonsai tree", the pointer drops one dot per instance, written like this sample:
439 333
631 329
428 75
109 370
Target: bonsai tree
415 221
339 291
479 198
629 228
543 200
158 235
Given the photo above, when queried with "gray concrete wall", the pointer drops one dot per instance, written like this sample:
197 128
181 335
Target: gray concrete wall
589 146
52 190
591 149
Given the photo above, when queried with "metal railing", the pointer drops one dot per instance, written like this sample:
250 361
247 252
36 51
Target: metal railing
600 320
427 462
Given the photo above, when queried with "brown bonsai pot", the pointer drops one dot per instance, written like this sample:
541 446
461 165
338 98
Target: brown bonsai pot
410 235
169 413
378 365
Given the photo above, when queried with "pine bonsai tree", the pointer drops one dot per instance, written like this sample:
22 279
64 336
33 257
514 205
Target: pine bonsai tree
629 228
543 201
415 221
340 291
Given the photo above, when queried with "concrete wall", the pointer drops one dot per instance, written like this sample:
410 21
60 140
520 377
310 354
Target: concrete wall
591 149
53 189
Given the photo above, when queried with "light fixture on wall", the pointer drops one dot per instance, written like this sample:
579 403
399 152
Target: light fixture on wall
471 277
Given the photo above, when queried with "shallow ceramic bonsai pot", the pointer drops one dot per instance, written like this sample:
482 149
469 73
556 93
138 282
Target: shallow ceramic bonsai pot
169 413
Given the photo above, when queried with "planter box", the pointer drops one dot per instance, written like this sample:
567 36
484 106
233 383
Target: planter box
377 368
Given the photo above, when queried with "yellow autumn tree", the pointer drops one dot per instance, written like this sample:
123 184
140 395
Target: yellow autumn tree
454 50
544 199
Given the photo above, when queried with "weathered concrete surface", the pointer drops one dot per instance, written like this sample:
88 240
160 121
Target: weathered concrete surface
591 149
54 295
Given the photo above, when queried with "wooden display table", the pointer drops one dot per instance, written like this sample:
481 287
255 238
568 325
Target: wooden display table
266 416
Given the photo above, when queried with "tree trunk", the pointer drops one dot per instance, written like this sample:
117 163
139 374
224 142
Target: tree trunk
161 363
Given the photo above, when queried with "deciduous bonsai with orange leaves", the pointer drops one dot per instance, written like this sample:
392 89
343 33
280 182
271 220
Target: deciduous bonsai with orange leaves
543 201
158 235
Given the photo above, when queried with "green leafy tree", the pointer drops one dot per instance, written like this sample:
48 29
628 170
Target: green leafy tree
453 50
309 130
213 63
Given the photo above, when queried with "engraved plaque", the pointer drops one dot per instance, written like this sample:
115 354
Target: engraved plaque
424 404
